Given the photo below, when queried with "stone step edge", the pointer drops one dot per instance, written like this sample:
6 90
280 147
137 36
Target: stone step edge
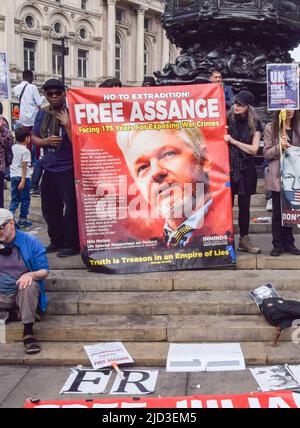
143 354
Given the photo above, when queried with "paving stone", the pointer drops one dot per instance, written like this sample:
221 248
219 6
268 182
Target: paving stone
9 379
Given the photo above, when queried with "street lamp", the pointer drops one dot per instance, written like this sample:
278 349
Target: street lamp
64 52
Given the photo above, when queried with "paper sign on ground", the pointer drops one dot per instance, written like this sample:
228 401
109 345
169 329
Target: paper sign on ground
274 378
295 370
205 357
85 381
135 382
264 292
107 354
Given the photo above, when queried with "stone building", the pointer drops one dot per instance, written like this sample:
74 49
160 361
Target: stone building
103 38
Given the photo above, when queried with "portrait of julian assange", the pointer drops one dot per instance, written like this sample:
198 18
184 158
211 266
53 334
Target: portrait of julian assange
170 168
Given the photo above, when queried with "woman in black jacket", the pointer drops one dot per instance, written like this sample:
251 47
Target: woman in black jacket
244 133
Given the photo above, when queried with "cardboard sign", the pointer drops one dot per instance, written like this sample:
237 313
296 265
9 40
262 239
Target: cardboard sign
283 86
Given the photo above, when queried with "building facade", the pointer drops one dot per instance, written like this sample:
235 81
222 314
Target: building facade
102 38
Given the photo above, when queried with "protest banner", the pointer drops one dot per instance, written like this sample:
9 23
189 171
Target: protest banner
152 178
283 86
271 400
5 87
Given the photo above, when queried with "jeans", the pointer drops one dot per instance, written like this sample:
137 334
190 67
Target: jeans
1 189
244 213
37 174
18 197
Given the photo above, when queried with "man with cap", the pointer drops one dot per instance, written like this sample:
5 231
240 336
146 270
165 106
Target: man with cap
52 132
23 269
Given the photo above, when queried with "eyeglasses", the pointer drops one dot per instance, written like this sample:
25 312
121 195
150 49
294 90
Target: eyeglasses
2 227
57 92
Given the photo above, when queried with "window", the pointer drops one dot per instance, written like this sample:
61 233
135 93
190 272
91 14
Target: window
83 33
119 58
146 59
82 63
147 23
84 4
120 13
29 21
57 27
29 55
56 60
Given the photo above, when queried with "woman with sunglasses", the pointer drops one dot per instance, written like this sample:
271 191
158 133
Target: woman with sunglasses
244 132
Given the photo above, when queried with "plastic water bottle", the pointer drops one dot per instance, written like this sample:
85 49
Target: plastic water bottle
261 220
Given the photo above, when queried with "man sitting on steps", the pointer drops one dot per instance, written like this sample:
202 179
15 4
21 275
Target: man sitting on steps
23 268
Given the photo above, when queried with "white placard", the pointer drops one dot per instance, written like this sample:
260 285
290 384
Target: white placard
107 354
135 382
274 378
190 357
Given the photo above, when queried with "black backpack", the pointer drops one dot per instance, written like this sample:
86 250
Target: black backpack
280 312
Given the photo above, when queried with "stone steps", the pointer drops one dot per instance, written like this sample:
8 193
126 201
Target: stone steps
205 280
143 354
244 261
155 303
158 328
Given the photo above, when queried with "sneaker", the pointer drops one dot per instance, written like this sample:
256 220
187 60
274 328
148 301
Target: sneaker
35 193
269 206
24 223
53 248
67 252
276 252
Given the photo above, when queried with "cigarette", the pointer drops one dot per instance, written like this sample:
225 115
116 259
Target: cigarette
118 370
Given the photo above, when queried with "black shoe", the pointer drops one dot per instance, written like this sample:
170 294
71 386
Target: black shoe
292 250
276 251
53 248
68 252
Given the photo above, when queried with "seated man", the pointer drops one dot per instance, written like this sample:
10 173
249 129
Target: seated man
23 267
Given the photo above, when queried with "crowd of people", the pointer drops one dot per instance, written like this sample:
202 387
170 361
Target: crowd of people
43 140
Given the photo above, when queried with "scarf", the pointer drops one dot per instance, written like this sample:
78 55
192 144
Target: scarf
50 124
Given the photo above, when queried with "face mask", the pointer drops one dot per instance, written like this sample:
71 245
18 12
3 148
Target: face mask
6 249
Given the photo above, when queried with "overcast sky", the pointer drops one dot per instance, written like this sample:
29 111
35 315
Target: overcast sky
296 53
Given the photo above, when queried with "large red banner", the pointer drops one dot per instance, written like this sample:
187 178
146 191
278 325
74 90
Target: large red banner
152 178
266 400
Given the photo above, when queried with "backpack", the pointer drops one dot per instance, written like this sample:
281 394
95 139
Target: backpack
280 312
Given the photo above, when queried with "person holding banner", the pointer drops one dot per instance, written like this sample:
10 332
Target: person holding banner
52 132
170 168
244 132
277 141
